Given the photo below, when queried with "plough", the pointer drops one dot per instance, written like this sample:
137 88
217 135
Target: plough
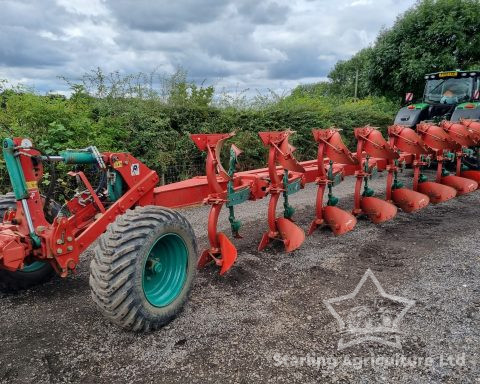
146 253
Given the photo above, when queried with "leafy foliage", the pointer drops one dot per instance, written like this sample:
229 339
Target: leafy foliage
344 75
432 36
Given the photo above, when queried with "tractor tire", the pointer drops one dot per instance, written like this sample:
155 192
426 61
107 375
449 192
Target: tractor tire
143 268
32 274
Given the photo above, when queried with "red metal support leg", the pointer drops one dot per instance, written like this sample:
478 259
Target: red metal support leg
458 165
391 169
439 174
322 182
281 152
357 210
272 221
436 139
318 221
406 140
330 145
221 251
209 254
371 141
416 173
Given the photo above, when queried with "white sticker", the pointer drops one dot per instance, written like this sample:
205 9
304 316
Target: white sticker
135 169
26 143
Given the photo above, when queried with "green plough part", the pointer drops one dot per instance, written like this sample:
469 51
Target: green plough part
289 189
367 191
422 178
396 183
234 197
238 197
17 179
78 157
334 180
114 185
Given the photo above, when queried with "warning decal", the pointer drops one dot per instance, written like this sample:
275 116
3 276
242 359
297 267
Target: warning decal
135 169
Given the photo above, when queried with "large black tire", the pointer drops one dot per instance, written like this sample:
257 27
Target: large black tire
117 269
11 282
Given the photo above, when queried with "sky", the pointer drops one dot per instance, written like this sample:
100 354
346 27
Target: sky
231 44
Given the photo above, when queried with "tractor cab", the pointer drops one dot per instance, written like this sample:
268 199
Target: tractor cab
447 96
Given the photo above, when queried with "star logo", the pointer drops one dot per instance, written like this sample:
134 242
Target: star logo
373 317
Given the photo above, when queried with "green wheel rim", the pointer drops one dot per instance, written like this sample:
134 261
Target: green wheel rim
165 270
32 267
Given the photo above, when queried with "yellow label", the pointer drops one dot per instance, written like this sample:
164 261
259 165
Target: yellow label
448 74
117 164
32 184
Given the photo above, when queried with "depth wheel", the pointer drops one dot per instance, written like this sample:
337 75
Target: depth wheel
32 274
143 268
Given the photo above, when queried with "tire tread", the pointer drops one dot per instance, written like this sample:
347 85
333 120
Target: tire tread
112 269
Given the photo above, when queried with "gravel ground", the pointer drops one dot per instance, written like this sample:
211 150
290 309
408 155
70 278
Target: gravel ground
257 323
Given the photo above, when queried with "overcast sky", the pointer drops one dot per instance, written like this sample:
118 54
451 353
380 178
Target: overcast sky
256 44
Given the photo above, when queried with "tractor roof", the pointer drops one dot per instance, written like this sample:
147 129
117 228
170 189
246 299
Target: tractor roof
452 74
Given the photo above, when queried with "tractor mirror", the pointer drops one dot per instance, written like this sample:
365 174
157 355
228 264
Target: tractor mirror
408 97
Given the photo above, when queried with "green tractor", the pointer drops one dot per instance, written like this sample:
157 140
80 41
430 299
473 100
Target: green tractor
452 95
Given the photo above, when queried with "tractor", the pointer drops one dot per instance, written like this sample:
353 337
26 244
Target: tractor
452 96
449 96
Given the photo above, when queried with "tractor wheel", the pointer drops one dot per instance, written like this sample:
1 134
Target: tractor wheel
143 268
32 274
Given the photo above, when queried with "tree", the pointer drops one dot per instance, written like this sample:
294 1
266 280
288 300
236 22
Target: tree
432 36
180 92
320 89
343 75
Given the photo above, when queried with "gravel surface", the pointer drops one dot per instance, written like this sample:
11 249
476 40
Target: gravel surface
265 321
